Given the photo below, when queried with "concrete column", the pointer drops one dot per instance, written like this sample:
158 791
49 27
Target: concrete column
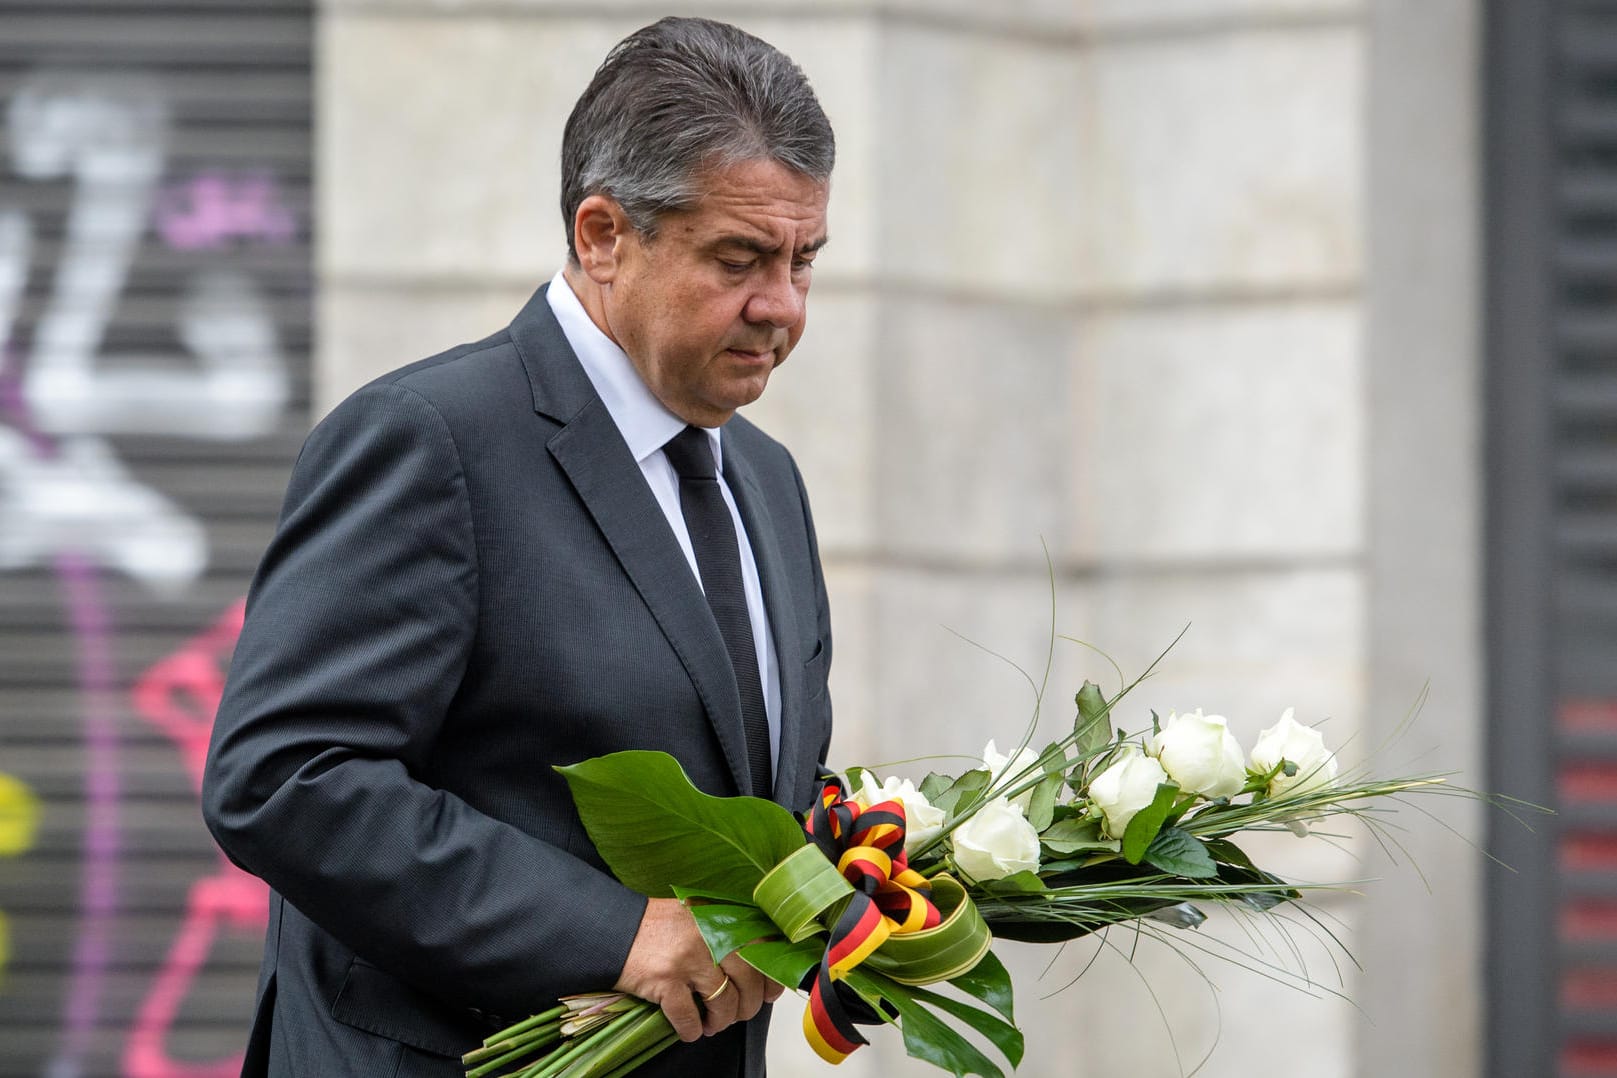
1421 990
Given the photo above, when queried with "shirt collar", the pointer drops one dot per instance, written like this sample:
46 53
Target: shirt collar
646 424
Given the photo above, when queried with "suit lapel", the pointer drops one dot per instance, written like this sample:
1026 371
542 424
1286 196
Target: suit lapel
591 451
782 621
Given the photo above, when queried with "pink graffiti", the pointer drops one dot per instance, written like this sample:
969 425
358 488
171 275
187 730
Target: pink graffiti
207 211
180 696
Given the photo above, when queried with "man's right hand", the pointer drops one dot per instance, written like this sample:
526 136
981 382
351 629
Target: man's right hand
670 965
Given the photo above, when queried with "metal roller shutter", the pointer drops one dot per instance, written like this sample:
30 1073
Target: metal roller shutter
155 319
1552 278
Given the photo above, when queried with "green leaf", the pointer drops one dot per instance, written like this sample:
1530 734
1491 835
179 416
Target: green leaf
934 784
1066 864
1185 803
990 982
926 1037
941 953
1181 915
1092 730
1041 808
1143 828
856 779
1226 852
795 893
782 962
964 788
1002 1035
1076 834
1180 853
655 830
1264 901
1017 883
1042 805
1276 889
726 926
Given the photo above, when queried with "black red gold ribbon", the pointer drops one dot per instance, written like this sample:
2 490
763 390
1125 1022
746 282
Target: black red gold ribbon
889 898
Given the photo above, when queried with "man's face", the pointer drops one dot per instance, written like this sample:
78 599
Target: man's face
719 298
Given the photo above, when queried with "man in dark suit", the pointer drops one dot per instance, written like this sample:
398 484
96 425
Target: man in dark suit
551 544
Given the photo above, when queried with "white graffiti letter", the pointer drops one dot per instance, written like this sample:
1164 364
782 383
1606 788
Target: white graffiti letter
14 252
110 135
83 500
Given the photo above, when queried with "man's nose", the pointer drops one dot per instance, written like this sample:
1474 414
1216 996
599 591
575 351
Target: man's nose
778 300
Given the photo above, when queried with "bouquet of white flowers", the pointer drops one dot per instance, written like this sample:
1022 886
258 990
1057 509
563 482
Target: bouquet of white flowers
1102 826
886 886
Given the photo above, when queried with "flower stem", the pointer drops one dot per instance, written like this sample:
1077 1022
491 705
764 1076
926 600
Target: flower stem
662 1043
554 1064
492 1057
526 1024
651 1030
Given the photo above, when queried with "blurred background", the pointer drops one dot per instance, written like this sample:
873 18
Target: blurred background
1289 320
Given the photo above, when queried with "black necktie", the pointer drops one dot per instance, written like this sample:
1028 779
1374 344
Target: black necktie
718 562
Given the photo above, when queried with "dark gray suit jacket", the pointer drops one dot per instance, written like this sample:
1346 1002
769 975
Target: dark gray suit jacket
471 584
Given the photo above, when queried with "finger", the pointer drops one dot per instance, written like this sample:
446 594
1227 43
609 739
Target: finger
749 987
772 990
722 1004
681 1012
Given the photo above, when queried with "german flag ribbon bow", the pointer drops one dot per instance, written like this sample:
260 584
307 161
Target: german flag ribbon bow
877 910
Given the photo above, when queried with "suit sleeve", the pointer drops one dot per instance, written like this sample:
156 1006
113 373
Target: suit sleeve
359 627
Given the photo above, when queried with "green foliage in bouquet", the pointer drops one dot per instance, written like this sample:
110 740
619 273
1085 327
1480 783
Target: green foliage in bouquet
757 888
656 831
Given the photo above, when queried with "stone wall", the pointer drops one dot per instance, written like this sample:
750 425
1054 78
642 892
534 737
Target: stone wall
1097 286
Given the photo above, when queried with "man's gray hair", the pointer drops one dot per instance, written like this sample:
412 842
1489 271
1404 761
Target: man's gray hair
676 98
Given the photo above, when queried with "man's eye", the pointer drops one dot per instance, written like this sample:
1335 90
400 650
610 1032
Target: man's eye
735 267
802 265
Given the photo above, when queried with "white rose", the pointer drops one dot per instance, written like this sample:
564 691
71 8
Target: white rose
922 822
1290 740
1001 766
1200 754
995 842
1124 788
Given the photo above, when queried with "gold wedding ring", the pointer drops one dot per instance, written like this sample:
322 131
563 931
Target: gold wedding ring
719 991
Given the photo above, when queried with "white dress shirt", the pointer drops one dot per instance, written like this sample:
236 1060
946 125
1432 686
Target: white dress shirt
647 426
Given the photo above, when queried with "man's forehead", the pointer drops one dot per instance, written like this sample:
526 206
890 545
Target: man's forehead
761 200
750 242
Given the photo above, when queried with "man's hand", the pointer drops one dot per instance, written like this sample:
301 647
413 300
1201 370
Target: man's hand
670 965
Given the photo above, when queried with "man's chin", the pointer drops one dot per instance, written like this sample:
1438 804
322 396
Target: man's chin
739 396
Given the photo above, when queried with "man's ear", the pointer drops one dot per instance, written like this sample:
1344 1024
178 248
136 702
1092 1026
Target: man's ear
600 230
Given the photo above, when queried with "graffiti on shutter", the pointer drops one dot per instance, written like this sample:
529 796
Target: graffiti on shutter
154 338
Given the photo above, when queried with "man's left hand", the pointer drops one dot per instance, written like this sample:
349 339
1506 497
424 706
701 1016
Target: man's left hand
669 964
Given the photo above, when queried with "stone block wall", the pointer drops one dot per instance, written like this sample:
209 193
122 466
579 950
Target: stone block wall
1097 286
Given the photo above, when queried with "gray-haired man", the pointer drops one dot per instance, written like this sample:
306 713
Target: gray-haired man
548 545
